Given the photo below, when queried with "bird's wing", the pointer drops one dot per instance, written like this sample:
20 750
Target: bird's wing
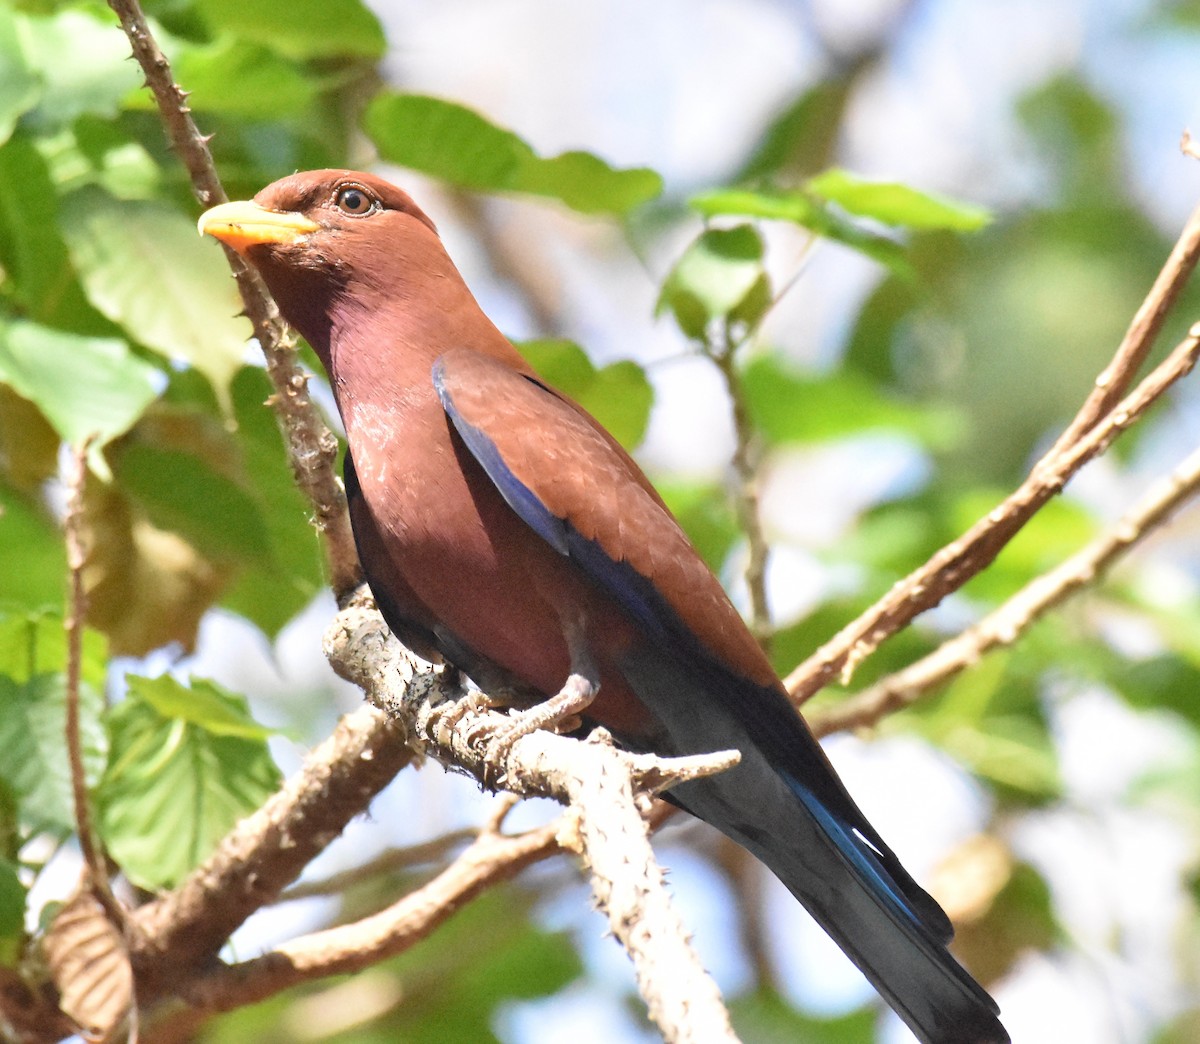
572 483
574 486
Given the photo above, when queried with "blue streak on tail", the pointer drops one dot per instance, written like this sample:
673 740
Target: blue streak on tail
853 846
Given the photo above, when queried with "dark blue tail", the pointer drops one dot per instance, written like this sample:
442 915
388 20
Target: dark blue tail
785 804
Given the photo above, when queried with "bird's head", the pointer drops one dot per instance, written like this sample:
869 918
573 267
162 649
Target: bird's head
334 245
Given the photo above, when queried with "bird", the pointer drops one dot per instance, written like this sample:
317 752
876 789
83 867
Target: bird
503 530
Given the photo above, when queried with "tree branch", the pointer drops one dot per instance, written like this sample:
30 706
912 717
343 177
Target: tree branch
745 463
93 857
311 446
492 858
1004 625
604 787
185 928
962 559
388 862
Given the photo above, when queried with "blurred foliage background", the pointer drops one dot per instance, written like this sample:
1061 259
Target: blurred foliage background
900 356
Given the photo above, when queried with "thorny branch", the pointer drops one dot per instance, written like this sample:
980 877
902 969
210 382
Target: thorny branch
311 446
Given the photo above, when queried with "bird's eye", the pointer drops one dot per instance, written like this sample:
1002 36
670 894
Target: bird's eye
354 201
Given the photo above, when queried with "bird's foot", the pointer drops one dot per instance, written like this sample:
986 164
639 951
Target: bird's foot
574 698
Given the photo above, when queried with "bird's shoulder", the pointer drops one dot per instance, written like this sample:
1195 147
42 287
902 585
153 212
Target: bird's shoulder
579 474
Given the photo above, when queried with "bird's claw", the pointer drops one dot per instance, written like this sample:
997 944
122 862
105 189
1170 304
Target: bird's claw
574 698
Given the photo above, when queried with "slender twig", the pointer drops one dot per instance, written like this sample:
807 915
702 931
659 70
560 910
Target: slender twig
312 448
745 462
962 559
1143 329
389 862
1004 625
489 860
93 857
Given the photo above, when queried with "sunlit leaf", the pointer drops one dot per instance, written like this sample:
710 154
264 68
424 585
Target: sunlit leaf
37 270
237 78
184 493
203 703
788 406
800 207
458 145
803 134
146 586
83 62
144 267
618 395
897 204
1059 529
19 84
32 560
83 385
300 28
720 276
33 644
174 788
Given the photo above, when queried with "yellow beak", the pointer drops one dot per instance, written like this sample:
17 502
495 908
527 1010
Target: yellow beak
245 224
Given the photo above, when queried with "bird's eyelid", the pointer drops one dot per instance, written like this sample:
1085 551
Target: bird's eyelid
342 188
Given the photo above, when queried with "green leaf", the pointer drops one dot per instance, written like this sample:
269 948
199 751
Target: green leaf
787 406
84 65
12 913
181 492
203 703
1059 529
269 593
19 85
720 276
618 395
144 267
37 270
84 385
299 28
801 208
802 135
456 144
34 644
896 204
174 787
489 953
240 79
767 1018
33 563
35 765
